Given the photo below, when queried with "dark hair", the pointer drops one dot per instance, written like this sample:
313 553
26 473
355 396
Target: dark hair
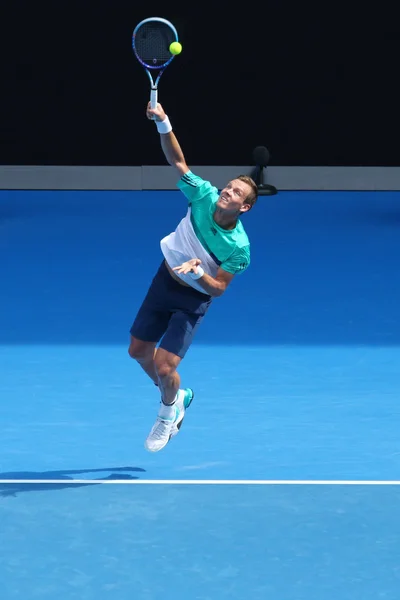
252 197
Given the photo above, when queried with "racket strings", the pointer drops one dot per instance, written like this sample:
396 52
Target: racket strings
152 43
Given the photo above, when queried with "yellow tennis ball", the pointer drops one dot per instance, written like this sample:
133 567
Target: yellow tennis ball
175 48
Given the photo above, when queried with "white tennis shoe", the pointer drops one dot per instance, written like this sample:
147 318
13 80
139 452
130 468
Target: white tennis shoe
169 421
184 400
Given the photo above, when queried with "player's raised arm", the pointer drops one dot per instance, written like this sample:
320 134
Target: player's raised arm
169 143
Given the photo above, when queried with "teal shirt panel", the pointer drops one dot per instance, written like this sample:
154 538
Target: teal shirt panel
230 248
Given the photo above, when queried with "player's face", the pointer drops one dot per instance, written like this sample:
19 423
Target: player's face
233 196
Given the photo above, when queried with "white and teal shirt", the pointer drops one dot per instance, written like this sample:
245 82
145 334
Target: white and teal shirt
199 236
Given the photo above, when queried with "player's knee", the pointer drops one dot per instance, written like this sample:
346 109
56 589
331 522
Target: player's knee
139 350
164 368
132 351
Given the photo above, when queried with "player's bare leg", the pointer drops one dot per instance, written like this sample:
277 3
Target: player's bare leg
174 401
143 353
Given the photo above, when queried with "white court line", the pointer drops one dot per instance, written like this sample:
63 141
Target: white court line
199 482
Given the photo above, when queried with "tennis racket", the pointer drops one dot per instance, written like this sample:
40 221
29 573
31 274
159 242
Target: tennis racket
151 40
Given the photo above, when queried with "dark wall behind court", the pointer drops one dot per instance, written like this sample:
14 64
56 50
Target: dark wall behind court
315 82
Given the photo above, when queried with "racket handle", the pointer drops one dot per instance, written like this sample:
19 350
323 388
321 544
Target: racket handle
153 98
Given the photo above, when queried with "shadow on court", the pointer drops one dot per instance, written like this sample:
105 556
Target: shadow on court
12 489
323 268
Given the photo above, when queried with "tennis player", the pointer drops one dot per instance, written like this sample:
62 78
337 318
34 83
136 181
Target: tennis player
201 257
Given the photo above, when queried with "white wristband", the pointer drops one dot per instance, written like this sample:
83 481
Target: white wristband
164 126
200 273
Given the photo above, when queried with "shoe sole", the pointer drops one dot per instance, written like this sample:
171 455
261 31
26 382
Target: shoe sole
179 424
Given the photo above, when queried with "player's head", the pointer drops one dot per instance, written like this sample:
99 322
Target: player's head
239 195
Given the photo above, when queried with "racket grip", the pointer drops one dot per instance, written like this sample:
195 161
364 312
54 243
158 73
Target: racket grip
153 98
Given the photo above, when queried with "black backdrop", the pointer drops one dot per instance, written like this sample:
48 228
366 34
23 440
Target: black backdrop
314 83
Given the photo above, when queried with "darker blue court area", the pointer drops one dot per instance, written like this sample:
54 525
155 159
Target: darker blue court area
322 272
296 377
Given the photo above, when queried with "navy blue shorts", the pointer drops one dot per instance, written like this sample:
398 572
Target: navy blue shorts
170 312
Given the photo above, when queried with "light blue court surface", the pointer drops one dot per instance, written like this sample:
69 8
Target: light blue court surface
296 377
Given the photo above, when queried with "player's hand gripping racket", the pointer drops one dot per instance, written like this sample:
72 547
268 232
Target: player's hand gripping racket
151 40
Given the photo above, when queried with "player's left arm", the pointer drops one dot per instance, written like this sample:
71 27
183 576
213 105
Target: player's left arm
214 286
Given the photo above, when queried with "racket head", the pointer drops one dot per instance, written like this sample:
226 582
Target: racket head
151 40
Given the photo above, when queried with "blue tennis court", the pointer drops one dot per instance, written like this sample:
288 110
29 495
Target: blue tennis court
283 482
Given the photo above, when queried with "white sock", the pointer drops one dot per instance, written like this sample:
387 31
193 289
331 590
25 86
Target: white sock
167 411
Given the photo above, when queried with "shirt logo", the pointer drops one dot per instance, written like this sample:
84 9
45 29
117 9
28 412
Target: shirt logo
214 231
